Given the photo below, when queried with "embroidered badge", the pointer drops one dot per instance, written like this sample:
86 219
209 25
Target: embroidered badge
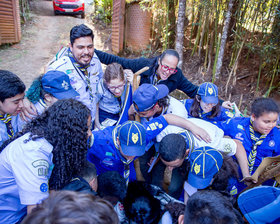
65 85
210 91
229 114
42 166
238 136
227 148
271 143
152 126
196 169
233 191
240 127
44 187
134 138
68 71
108 162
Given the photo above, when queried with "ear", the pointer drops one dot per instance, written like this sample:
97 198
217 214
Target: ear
253 117
197 98
93 184
48 98
181 219
187 152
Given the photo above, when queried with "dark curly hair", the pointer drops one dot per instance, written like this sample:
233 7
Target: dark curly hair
64 126
195 108
229 169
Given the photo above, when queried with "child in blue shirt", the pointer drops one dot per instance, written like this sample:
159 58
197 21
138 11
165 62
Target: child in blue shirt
11 96
258 133
114 94
206 105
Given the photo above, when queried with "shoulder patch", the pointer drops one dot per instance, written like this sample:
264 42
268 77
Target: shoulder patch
239 126
42 166
44 187
271 143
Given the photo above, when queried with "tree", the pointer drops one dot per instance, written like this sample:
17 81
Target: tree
180 30
223 40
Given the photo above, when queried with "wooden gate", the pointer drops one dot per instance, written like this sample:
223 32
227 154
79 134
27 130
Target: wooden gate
10 30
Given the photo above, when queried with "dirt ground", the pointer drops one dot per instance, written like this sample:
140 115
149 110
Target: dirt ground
42 37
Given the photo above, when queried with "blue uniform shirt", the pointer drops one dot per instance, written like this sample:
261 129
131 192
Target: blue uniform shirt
105 153
238 128
224 114
17 125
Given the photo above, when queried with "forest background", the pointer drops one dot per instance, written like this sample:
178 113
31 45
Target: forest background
233 43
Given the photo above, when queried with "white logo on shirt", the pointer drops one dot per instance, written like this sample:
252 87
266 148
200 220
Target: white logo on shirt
271 143
239 136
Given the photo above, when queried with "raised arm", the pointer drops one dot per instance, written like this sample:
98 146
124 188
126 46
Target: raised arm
198 132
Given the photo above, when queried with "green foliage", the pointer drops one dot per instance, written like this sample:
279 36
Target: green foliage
104 10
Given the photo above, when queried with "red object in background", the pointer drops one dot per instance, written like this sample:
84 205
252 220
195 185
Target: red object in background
75 7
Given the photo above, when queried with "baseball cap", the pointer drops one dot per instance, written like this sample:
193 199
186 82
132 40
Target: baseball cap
205 163
208 92
147 95
260 204
132 137
58 84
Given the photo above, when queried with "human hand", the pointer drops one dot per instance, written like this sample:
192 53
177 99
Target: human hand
227 105
28 110
129 75
248 180
201 134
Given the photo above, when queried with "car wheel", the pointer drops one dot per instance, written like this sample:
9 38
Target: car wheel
83 15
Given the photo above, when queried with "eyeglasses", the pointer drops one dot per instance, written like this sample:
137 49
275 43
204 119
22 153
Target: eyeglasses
113 88
167 68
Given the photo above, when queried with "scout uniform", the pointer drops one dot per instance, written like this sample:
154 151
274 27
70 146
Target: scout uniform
105 152
25 168
111 106
83 79
224 114
257 146
9 126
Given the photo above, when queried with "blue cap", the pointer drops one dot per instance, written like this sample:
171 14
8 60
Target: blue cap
208 92
132 137
147 95
58 84
205 163
260 204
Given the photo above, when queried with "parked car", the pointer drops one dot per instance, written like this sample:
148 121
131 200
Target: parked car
74 7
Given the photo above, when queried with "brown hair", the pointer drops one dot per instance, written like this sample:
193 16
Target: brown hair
69 207
113 71
195 108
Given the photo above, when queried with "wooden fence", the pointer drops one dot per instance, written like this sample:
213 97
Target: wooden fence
10 30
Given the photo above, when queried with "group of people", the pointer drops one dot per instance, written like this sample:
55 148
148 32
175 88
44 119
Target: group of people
83 146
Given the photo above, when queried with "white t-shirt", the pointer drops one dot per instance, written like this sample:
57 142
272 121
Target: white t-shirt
218 142
25 169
